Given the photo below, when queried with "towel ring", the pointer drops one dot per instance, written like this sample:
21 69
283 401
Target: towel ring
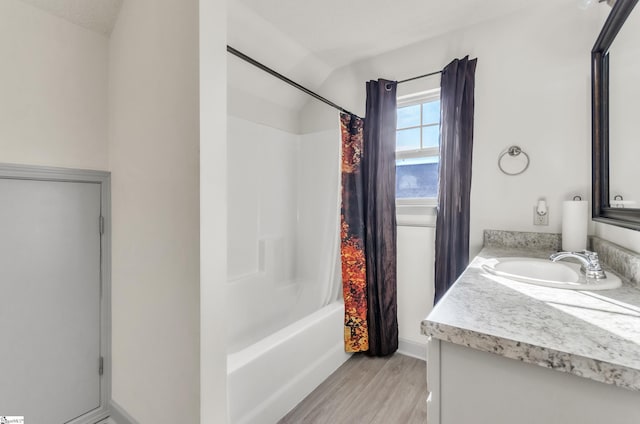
513 151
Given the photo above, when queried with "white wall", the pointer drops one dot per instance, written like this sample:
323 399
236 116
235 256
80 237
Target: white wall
415 280
213 211
255 95
55 81
532 89
53 90
154 159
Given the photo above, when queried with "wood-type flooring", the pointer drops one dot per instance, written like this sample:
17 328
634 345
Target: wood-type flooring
366 390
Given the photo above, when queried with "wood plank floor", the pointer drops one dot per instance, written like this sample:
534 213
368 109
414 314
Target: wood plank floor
368 390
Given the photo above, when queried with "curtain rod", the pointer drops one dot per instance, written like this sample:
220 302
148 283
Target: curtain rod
388 86
420 76
285 79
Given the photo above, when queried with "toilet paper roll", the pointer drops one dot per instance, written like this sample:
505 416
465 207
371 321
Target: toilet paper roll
575 217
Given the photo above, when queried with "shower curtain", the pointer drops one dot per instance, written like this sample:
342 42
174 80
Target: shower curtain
352 234
368 224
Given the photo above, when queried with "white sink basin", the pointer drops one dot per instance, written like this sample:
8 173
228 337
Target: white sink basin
544 272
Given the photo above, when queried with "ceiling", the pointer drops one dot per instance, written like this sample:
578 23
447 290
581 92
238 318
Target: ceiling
338 32
97 15
308 40
332 33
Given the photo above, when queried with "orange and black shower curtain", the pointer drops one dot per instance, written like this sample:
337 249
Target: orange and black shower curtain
354 273
368 224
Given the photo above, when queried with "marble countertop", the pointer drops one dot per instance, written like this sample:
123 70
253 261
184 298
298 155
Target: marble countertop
592 334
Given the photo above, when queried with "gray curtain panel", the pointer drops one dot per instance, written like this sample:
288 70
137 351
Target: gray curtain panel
456 148
378 166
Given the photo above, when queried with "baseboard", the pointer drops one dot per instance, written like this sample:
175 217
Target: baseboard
412 348
119 415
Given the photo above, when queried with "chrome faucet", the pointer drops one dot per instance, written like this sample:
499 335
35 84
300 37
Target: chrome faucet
591 267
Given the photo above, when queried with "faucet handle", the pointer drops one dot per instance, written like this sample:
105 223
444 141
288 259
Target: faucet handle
594 270
593 256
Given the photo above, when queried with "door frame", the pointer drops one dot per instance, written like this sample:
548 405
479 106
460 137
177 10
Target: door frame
103 179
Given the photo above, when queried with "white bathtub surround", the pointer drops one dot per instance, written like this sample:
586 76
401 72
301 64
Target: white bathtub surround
595 335
283 227
284 327
267 379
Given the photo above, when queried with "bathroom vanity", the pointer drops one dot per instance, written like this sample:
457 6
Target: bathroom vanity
502 351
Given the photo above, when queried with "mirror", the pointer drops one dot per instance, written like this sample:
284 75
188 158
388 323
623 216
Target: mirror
615 67
624 125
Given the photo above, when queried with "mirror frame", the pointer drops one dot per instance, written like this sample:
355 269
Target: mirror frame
601 208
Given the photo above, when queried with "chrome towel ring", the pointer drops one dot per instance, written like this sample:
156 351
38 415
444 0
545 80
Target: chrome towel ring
513 152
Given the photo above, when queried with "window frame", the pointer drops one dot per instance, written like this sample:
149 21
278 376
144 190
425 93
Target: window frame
411 100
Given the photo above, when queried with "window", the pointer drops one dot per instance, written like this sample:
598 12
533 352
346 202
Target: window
418 148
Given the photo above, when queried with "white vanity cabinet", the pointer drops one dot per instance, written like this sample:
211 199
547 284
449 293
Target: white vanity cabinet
471 386
502 351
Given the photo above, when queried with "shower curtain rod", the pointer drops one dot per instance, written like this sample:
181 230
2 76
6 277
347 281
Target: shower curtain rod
292 83
285 79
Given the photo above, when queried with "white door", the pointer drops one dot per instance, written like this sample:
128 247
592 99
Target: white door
49 299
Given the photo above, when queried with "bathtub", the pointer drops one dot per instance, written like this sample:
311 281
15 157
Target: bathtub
268 378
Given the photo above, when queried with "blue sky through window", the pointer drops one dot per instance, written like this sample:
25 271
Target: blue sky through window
417 163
